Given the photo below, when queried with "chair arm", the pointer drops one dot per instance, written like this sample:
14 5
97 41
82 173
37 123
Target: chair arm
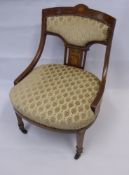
97 101
33 62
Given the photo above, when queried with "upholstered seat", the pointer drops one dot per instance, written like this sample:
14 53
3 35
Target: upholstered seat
57 96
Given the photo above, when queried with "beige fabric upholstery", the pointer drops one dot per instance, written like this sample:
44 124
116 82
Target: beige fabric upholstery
77 30
57 96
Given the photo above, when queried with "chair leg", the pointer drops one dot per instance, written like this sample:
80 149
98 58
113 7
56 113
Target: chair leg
79 148
21 124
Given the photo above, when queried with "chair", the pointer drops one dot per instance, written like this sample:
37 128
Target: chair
65 97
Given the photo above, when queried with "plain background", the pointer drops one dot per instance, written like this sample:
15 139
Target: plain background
44 152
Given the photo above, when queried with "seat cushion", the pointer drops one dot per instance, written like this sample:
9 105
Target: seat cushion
57 96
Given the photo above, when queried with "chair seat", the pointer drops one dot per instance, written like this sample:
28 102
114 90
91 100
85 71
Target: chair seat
57 96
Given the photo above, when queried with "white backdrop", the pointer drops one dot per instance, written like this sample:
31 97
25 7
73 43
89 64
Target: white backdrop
20 22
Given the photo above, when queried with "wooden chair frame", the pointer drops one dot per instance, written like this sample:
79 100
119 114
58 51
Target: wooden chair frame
74 56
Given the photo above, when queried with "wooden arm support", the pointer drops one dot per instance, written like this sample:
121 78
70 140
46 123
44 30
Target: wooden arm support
33 63
97 101
37 56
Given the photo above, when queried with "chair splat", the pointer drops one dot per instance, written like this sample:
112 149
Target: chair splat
75 56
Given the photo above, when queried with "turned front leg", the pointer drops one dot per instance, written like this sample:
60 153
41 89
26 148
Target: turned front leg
80 138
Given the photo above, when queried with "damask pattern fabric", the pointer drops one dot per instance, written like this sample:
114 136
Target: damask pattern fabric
57 96
77 30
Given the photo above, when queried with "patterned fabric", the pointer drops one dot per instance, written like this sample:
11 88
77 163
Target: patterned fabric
57 96
77 30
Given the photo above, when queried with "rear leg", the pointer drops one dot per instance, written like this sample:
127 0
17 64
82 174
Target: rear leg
21 124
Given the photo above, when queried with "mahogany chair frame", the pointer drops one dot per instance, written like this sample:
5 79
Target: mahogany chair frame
73 56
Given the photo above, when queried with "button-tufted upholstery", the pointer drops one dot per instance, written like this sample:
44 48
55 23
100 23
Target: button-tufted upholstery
77 30
57 96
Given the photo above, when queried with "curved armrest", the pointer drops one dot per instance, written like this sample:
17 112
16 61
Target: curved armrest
33 63
95 106
37 56
97 101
